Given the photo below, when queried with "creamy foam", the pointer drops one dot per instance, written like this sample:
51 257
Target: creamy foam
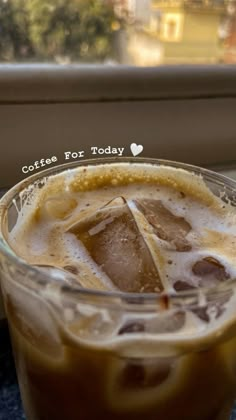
44 234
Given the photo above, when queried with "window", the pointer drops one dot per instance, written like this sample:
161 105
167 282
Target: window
136 32
172 27
180 113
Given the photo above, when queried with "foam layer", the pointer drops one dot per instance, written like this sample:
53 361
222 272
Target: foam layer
77 222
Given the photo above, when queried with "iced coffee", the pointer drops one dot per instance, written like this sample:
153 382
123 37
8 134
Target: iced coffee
119 288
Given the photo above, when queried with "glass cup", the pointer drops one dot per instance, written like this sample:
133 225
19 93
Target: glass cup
83 354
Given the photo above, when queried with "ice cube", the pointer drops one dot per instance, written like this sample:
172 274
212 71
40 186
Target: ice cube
165 322
132 327
210 270
114 242
33 318
135 384
68 275
166 225
58 206
182 286
92 322
215 306
141 374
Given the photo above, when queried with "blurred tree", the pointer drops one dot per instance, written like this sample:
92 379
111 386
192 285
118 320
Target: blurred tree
66 30
77 29
14 34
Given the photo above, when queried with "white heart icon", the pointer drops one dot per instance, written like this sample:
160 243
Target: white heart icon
136 149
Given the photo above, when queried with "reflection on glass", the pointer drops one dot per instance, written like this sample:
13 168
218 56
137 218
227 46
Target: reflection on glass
136 32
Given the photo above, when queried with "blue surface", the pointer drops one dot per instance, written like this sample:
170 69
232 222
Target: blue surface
10 402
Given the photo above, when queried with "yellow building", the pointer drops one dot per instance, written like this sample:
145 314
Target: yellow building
179 31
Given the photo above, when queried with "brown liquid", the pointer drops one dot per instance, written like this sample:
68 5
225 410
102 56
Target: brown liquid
174 364
80 387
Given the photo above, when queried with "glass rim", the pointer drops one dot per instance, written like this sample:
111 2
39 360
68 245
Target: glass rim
39 278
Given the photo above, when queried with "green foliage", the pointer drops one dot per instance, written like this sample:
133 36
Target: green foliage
51 30
14 37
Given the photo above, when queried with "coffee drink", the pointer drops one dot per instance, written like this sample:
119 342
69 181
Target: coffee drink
128 311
